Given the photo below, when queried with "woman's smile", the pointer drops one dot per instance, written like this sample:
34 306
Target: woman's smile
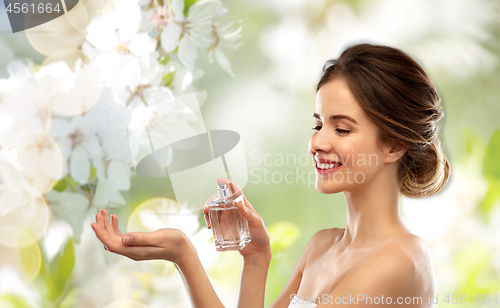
325 166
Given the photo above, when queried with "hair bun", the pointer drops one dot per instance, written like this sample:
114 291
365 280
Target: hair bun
424 173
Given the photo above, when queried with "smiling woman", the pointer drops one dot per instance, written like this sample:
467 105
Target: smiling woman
375 139
373 101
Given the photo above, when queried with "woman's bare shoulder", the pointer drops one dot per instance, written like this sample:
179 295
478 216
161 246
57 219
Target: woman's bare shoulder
412 245
403 263
412 256
322 240
327 236
406 249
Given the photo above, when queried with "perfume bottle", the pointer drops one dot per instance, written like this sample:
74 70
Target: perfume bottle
229 228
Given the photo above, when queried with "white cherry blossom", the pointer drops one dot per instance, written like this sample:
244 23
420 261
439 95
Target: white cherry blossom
195 29
229 36
68 92
149 91
116 35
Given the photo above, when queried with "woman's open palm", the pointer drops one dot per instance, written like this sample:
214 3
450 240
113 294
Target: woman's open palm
165 244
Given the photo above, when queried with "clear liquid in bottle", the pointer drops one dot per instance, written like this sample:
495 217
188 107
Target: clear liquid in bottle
230 229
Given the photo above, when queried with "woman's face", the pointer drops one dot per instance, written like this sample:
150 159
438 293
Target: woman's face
344 144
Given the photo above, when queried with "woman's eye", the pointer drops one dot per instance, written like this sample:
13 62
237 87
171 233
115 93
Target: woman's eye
316 128
343 131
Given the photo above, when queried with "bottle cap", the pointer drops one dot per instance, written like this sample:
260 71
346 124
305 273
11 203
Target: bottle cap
223 191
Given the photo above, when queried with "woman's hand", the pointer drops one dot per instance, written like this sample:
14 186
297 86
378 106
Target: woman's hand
259 247
165 244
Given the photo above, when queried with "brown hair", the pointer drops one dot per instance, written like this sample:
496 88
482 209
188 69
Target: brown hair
398 96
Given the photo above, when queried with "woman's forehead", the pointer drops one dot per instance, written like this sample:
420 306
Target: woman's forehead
335 96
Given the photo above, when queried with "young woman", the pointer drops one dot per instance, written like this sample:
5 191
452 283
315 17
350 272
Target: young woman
375 138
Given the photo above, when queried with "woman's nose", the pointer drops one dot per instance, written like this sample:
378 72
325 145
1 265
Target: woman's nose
320 142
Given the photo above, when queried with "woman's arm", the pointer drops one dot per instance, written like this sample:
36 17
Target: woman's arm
253 282
198 286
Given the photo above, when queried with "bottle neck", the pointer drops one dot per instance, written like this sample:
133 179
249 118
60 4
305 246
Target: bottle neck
223 191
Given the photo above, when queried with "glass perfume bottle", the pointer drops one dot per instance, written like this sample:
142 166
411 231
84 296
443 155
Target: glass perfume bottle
229 228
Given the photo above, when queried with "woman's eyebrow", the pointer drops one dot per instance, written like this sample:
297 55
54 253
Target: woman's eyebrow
336 117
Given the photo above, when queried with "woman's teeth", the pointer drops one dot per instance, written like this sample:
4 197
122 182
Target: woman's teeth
327 166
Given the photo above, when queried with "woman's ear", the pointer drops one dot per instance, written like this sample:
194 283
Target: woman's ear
394 152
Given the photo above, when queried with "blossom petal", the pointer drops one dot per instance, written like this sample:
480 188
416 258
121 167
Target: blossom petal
59 128
178 8
117 197
142 45
65 147
203 10
19 70
151 70
222 10
157 95
107 191
72 207
118 70
79 165
130 19
119 174
223 61
101 31
91 144
170 37
187 52
102 193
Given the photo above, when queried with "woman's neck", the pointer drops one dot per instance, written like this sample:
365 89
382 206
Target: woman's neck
372 212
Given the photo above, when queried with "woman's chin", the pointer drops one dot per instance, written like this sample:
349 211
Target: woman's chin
328 188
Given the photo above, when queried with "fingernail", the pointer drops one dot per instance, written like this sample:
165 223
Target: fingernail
127 239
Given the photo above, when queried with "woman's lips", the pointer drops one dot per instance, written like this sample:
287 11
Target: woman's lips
327 170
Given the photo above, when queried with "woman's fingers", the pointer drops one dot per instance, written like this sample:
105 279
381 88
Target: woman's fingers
101 233
205 212
112 242
104 231
205 209
99 220
248 204
248 213
107 223
140 239
103 220
234 187
207 221
114 224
